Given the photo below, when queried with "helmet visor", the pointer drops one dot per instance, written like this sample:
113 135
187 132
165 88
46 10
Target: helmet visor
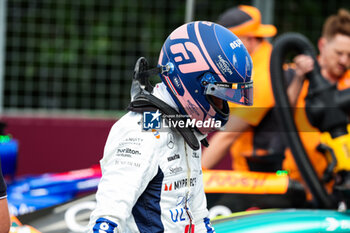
240 93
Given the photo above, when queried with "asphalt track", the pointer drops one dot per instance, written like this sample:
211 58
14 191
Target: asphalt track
71 217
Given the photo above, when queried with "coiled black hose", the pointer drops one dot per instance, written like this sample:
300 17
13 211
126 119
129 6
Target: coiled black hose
282 46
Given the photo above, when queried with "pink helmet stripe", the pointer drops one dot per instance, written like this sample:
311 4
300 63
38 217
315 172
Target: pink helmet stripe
160 56
196 28
180 33
188 102
171 85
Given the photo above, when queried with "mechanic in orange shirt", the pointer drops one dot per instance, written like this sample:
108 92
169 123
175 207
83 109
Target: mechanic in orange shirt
256 144
334 60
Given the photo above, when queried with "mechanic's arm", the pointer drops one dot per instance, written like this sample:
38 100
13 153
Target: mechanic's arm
303 65
220 142
4 211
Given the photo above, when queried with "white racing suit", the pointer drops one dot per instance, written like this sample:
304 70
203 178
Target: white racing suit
151 182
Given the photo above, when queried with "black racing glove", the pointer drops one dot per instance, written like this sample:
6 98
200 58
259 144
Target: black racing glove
2 184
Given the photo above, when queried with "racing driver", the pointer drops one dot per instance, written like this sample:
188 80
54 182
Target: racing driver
151 168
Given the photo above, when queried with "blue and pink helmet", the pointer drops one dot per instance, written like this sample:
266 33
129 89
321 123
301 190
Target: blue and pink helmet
204 60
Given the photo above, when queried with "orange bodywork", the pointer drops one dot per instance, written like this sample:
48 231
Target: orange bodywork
222 181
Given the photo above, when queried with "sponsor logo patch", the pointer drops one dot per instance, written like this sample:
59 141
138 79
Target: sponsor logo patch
236 43
223 65
175 156
175 170
171 141
177 82
104 225
183 183
127 152
168 187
